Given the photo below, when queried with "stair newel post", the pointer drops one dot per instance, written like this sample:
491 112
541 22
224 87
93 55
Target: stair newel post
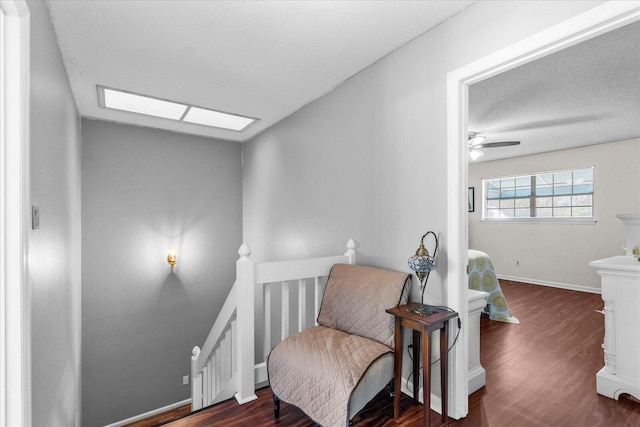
351 251
196 381
245 356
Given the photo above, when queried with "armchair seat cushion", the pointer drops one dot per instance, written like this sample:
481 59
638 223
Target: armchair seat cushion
320 368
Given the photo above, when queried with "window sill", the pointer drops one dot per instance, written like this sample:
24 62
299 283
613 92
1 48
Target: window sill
573 221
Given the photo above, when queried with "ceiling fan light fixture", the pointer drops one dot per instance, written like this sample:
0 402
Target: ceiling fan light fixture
475 139
475 154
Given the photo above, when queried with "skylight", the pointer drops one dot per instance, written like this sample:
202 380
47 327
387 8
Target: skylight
134 103
217 119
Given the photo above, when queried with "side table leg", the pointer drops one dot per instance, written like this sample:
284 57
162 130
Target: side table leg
416 367
426 376
444 369
397 387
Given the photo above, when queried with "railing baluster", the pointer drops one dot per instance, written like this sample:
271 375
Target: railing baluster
216 374
229 356
317 298
285 311
302 304
224 357
211 373
234 345
206 391
217 369
267 320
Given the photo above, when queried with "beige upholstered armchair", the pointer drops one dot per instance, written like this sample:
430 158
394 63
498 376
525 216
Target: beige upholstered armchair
332 370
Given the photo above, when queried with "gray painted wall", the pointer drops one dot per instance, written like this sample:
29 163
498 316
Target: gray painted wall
369 159
144 190
54 249
560 253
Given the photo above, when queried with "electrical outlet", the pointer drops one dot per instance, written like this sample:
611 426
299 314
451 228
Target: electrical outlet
185 380
517 263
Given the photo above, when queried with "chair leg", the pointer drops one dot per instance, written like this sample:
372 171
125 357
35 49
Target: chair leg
276 407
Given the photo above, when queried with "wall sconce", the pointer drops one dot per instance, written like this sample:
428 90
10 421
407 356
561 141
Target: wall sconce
172 257
423 263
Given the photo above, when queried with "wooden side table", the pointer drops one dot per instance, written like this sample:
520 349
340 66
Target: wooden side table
422 326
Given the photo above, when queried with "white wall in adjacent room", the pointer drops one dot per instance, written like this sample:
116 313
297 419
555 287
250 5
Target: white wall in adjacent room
560 253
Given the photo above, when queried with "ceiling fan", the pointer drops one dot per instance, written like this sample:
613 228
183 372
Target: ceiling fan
477 141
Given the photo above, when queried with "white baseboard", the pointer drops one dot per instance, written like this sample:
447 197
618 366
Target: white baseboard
261 375
477 379
568 286
149 414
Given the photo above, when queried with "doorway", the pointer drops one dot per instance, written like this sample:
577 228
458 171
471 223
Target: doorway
15 358
599 20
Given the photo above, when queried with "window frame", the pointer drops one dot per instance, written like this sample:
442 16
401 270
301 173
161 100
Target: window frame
533 197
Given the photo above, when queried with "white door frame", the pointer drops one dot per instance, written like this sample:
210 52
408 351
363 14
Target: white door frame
596 21
15 337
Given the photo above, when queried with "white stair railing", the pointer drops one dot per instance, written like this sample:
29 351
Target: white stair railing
209 382
225 366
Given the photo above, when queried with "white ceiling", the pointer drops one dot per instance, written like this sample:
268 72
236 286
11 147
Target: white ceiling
264 59
586 94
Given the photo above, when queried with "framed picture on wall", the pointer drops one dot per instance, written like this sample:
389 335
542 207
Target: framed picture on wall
472 199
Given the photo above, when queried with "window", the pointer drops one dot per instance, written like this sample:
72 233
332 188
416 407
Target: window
141 104
561 194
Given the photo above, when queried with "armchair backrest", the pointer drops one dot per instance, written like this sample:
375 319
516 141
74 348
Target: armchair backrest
356 297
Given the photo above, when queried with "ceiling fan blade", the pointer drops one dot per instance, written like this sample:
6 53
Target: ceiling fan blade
497 144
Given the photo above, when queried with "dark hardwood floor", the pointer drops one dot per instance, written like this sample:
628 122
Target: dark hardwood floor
163 417
539 373
542 372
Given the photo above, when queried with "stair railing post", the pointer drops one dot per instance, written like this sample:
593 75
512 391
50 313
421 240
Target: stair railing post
351 251
196 381
245 356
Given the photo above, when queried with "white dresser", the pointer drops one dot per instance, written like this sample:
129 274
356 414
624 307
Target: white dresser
620 276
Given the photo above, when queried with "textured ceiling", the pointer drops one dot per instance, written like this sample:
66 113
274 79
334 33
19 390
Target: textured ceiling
586 94
264 59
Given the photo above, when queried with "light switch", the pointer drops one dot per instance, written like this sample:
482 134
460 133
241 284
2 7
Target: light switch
35 218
